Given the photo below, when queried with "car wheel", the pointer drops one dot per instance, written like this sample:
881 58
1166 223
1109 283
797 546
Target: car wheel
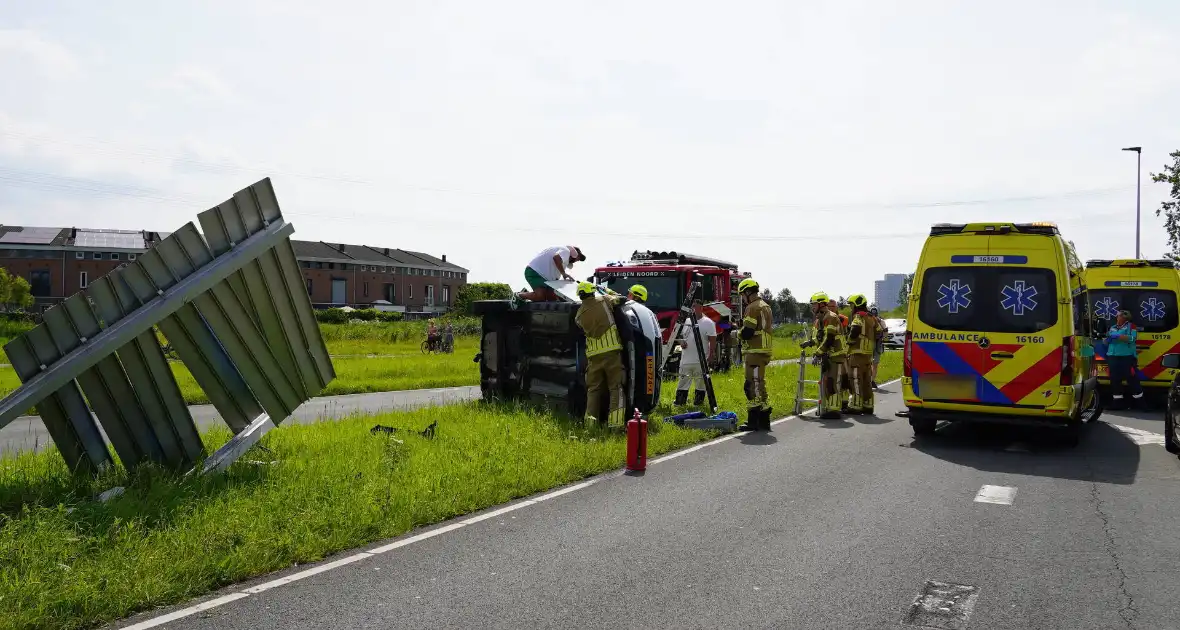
923 426
1170 441
1090 413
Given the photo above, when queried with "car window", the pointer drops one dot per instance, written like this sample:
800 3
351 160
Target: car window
989 299
1152 310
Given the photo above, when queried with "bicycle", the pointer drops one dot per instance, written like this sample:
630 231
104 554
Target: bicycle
438 346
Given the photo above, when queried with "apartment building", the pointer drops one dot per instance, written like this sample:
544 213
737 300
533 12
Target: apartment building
886 290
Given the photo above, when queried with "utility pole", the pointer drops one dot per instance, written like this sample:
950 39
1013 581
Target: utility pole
1138 185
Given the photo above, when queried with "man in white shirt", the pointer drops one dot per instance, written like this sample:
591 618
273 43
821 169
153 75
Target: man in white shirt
551 264
691 373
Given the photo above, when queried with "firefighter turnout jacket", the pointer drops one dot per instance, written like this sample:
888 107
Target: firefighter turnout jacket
757 325
863 333
596 318
830 336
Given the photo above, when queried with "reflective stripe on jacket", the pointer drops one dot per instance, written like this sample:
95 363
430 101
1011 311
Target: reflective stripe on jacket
597 321
831 337
865 328
759 318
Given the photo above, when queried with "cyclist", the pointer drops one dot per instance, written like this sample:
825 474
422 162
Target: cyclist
448 337
432 336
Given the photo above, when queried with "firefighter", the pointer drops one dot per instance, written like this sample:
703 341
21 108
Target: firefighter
757 324
604 354
829 344
862 342
637 293
844 378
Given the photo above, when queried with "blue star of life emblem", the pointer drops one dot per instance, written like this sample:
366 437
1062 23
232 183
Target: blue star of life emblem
1106 308
1152 309
954 296
1018 298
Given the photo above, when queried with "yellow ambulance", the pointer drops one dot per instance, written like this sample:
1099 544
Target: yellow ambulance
1146 288
998 330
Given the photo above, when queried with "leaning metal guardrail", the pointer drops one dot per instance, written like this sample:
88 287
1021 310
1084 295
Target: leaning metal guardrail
234 307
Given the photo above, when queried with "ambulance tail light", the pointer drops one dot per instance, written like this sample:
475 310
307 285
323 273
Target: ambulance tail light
908 356
1067 361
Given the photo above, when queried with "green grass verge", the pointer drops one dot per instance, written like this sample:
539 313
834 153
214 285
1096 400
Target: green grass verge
394 366
407 368
67 561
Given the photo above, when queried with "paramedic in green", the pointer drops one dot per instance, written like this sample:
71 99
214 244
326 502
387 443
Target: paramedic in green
1122 360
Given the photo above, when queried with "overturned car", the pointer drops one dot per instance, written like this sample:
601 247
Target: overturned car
537 353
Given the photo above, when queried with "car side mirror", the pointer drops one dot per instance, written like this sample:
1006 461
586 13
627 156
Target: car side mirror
1171 361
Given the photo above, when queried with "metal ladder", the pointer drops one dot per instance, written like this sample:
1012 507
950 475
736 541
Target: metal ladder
799 399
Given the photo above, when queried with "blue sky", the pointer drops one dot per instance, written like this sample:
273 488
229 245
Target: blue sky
790 137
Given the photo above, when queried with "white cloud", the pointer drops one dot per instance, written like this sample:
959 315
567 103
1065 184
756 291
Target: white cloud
26 46
604 122
198 81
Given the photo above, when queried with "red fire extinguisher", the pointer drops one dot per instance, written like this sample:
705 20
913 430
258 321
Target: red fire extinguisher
637 443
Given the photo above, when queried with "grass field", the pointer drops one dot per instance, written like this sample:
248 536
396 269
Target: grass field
69 562
382 357
369 357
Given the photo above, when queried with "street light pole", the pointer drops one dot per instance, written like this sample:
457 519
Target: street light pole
1138 184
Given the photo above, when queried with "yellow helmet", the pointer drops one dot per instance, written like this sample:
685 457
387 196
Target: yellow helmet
819 298
858 301
639 291
585 288
747 284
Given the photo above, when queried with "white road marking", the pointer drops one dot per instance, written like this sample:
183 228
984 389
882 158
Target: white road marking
181 614
417 538
213 603
495 513
1000 495
295 577
1142 438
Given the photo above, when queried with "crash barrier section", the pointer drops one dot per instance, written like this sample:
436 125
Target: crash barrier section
537 354
799 399
233 306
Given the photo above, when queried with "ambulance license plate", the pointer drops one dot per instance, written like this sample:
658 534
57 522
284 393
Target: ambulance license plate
1103 370
947 387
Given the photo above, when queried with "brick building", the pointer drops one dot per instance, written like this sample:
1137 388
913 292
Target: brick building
59 262
357 275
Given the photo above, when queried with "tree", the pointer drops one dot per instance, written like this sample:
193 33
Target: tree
767 297
470 293
786 306
1171 209
1071 253
903 295
14 291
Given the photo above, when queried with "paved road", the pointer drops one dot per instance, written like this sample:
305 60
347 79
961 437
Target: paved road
28 433
817 525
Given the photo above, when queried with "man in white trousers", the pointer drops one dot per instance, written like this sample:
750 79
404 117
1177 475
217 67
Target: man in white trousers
691 373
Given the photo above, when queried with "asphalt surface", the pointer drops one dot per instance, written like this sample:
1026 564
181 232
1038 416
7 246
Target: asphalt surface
28 432
826 525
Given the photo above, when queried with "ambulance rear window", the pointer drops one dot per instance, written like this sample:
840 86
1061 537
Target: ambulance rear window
989 299
1152 310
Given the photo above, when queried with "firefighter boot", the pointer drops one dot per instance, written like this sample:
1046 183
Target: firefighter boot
766 411
681 398
753 420
698 397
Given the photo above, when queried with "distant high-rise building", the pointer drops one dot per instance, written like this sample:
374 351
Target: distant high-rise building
885 291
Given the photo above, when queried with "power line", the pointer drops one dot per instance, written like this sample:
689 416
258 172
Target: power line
53 182
734 206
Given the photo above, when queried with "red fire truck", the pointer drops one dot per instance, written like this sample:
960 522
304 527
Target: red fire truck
667 277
